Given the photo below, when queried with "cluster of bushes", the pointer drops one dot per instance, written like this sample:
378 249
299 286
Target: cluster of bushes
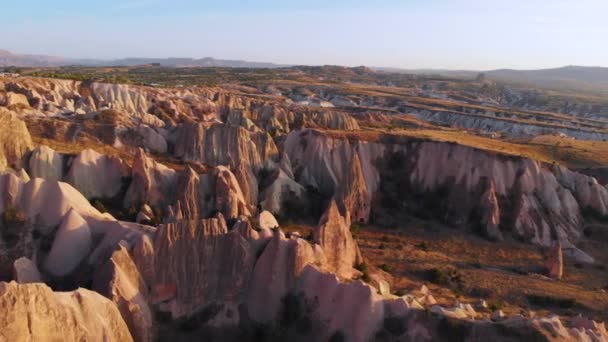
548 301
444 277
364 269
13 221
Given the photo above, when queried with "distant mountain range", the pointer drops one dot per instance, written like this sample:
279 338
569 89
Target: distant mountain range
572 78
8 58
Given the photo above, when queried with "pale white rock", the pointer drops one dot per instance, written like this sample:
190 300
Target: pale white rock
96 175
267 221
497 315
456 313
152 140
71 245
23 176
25 271
578 255
46 163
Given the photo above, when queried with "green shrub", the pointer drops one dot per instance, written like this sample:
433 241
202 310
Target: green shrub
99 206
563 303
386 268
423 246
363 269
12 216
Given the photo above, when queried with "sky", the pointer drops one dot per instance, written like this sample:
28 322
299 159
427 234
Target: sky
411 34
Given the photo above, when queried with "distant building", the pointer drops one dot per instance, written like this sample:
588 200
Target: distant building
9 74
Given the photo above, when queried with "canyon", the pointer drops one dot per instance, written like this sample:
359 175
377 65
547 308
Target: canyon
247 211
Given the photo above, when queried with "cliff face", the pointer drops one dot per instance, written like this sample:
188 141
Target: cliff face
81 315
532 201
224 145
15 141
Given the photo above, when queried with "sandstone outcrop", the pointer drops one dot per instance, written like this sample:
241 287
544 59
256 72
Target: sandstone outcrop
46 163
544 203
189 194
282 189
25 271
97 176
341 250
39 314
276 272
555 262
353 194
224 145
71 245
15 141
227 195
120 281
267 221
202 263
152 183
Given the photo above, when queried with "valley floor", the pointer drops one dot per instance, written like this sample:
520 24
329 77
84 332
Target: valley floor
458 266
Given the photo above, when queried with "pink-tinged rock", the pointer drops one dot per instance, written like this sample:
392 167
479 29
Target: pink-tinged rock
229 199
490 214
96 175
71 245
152 182
353 192
555 262
205 262
275 273
120 281
143 257
25 271
188 193
339 247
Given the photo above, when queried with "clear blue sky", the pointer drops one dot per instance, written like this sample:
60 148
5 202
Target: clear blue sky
454 34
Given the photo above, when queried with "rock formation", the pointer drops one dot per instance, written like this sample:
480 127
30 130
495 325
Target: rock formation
152 183
46 163
228 197
189 194
81 315
224 145
97 176
71 245
120 281
202 263
555 262
545 202
25 271
341 250
15 141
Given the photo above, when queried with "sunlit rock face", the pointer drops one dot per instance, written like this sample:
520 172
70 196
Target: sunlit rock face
81 315
505 195
225 145
15 140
